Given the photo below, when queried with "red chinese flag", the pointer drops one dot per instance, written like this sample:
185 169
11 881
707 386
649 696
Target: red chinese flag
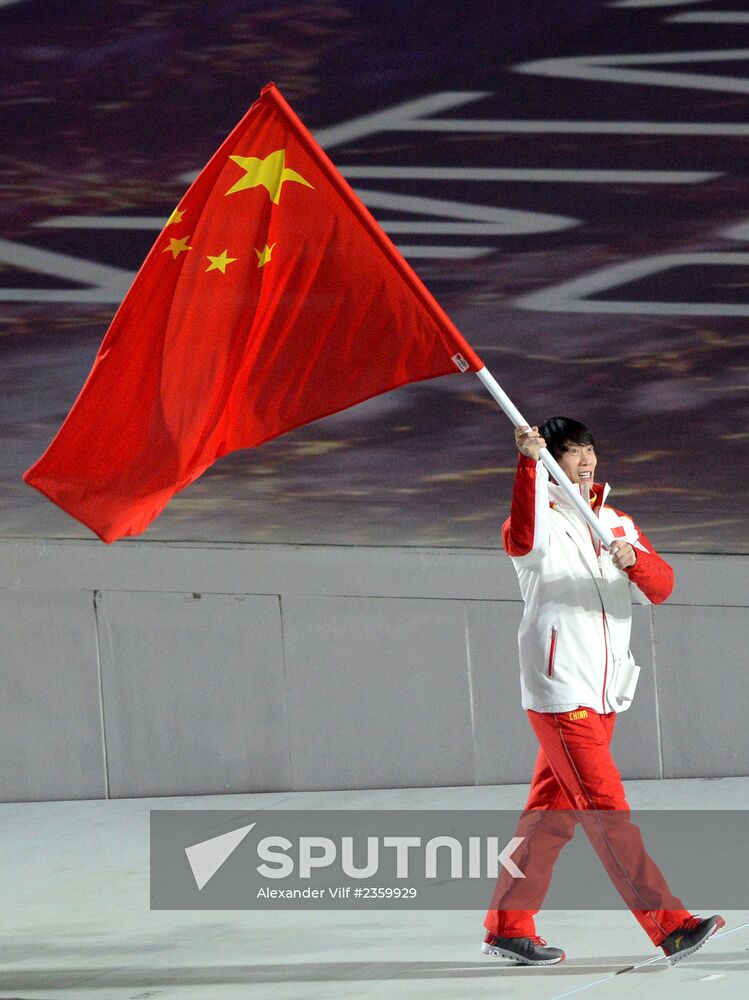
271 298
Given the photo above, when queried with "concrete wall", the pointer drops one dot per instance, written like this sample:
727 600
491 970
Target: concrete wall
165 668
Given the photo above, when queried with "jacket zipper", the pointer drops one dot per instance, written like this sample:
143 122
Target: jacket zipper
552 651
604 626
606 662
597 550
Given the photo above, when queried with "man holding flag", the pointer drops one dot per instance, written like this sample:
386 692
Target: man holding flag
577 673
272 298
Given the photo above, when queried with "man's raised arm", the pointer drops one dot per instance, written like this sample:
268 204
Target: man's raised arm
525 534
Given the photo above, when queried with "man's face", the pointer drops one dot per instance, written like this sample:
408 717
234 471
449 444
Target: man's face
578 462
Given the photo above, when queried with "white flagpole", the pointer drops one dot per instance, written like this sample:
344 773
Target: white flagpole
549 461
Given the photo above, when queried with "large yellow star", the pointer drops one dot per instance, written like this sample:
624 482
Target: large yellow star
177 246
270 172
176 216
219 263
263 256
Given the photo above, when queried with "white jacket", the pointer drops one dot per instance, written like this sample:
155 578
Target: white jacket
574 636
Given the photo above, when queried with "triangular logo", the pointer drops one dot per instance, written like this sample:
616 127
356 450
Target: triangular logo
206 858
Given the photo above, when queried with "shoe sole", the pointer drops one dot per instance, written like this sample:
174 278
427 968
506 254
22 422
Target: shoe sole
490 949
677 957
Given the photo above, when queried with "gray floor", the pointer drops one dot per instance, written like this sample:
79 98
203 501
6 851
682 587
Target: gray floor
77 923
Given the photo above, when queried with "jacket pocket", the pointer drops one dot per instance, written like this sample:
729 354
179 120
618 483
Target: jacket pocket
626 681
552 652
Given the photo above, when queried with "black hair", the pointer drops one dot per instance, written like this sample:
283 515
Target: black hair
561 431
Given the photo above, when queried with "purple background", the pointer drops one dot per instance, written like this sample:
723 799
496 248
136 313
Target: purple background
105 108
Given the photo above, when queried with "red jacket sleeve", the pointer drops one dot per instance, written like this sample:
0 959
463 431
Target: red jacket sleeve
519 530
651 573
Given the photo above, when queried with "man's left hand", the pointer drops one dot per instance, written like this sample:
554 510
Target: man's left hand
622 554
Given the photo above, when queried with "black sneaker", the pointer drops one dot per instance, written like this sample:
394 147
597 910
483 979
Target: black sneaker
690 936
525 950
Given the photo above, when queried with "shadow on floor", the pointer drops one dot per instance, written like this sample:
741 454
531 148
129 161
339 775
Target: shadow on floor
311 972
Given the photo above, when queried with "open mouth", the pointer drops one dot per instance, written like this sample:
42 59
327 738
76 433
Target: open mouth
585 475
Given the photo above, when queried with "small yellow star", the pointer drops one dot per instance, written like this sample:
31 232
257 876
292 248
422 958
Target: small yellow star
263 256
176 216
177 246
271 172
219 263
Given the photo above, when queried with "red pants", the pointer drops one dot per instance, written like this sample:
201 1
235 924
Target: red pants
575 771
